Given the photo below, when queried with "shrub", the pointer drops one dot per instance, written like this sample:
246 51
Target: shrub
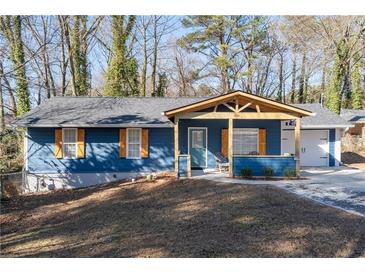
11 153
268 172
246 172
289 172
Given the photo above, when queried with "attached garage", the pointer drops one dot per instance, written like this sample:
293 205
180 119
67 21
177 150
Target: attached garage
315 146
320 137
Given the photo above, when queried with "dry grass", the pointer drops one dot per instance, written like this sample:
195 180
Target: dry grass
168 218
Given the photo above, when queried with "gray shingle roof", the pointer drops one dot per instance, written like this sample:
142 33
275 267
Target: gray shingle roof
323 117
103 111
353 115
135 111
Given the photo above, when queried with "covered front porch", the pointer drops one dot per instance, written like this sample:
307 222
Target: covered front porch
243 128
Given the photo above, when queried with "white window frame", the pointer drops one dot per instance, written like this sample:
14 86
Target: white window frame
140 143
258 141
68 143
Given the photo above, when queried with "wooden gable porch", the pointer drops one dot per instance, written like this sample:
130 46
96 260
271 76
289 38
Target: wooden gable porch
234 106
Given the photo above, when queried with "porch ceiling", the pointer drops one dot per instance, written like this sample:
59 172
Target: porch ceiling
238 101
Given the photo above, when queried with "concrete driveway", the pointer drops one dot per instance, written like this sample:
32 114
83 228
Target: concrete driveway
340 187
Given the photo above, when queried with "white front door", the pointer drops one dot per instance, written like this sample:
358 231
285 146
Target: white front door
314 146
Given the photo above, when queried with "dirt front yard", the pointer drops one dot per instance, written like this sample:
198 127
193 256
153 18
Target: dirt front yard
168 218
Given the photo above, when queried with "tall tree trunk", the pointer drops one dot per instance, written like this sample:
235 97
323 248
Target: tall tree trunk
51 79
323 80
154 57
305 90
2 108
281 79
70 54
224 81
302 81
63 64
10 91
181 73
224 68
121 76
46 81
293 80
249 70
144 66
11 26
79 54
346 94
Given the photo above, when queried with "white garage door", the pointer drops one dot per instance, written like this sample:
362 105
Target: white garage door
314 146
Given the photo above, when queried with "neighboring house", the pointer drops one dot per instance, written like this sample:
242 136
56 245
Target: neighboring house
357 118
81 141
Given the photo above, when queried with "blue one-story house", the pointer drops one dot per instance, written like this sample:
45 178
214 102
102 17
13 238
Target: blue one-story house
82 141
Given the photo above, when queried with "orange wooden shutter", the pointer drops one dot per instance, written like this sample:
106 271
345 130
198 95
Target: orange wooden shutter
58 143
144 151
224 145
262 141
122 143
80 143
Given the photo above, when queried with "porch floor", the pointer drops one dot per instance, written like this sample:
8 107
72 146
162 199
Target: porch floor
209 174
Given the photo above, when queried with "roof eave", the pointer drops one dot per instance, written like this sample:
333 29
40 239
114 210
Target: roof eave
326 126
83 125
299 111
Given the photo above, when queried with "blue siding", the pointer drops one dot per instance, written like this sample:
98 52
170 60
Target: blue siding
102 152
332 140
183 166
102 147
257 164
273 134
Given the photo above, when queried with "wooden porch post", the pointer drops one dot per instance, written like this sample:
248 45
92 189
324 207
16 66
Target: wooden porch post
230 147
189 166
297 145
176 143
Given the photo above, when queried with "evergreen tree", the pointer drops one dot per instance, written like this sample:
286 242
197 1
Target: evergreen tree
161 86
122 69
356 88
221 38
11 27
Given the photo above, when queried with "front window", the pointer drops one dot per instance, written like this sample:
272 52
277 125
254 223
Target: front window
245 141
197 139
69 143
134 143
